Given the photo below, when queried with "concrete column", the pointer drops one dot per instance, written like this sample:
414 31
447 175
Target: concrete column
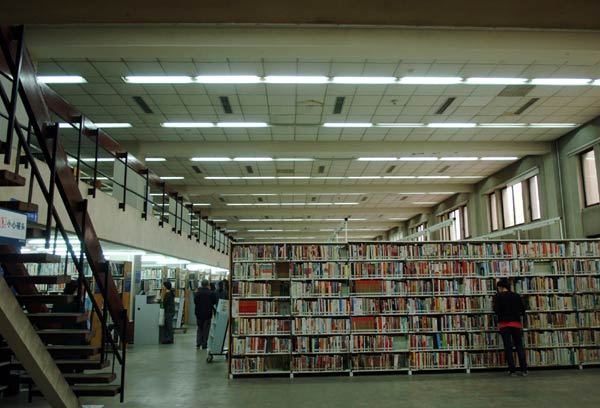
32 353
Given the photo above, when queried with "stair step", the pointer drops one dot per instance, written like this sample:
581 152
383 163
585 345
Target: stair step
90 390
19 206
64 352
38 279
10 179
68 318
55 336
30 258
46 299
71 365
81 378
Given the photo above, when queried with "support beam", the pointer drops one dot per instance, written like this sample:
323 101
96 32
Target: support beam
309 189
333 211
31 352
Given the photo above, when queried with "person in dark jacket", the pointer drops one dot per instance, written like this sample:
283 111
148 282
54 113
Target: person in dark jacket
169 306
204 301
222 292
509 308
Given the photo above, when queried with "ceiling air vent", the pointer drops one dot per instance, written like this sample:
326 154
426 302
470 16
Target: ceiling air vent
313 199
226 105
339 104
284 171
443 169
197 169
142 104
249 170
260 199
222 200
526 106
321 170
403 198
363 199
516 90
445 106
390 169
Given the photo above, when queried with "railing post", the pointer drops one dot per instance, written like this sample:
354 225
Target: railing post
180 206
124 157
80 268
106 271
199 215
146 190
92 190
79 135
19 32
52 134
29 130
205 219
161 223
190 220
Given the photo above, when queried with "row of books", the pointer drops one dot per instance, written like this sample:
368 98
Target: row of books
545 284
319 288
321 344
241 307
375 343
256 345
509 249
438 341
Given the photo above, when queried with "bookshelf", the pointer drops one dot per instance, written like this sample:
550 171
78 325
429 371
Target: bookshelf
408 307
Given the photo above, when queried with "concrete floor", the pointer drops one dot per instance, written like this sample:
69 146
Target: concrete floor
178 376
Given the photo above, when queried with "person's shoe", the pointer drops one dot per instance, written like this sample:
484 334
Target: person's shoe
197 346
204 347
512 374
523 373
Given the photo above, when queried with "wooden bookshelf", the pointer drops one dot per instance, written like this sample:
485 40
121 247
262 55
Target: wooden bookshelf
407 307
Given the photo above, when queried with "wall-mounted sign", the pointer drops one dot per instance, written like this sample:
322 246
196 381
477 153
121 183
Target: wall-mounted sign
13 227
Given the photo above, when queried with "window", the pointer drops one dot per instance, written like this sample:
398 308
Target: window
421 227
460 228
534 199
466 232
493 212
590 178
508 207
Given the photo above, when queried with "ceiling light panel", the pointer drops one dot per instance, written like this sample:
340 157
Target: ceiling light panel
158 79
210 159
347 125
295 79
242 124
228 79
358 80
417 80
561 81
61 79
451 125
187 124
495 81
155 159
172 177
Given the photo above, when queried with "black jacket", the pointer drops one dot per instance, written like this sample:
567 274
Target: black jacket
204 300
508 306
169 302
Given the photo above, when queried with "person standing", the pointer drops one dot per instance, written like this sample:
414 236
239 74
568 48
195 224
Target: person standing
204 301
222 292
509 308
169 306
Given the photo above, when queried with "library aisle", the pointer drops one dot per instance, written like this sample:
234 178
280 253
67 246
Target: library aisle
178 376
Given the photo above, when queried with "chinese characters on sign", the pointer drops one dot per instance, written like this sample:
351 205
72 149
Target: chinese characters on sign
13 227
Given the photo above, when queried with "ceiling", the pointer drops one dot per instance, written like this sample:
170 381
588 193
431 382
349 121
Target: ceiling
296 113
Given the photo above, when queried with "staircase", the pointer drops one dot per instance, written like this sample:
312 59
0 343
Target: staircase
66 335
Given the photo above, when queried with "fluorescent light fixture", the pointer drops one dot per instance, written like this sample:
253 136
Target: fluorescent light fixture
61 79
158 79
228 79
187 124
413 193
347 125
451 125
499 158
172 178
467 177
158 194
502 125
111 125
553 125
240 204
433 177
561 81
411 158
357 80
258 178
155 159
329 178
338 203
242 124
398 219
222 178
100 159
363 177
377 159
265 230
596 82
416 80
495 81
295 79
459 158
222 220
294 178
294 159
201 204
210 159
400 125
252 159
399 177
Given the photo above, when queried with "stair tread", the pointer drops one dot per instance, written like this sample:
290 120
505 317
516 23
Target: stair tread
45 299
76 364
74 317
30 258
8 179
83 378
91 390
38 279
20 206
62 331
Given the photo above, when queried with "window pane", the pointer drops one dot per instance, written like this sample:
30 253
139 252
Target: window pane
519 205
493 212
465 222
508 207
534 198
456 227
590 178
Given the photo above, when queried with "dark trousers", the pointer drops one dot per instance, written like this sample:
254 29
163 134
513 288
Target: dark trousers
202 334
512 336
168 331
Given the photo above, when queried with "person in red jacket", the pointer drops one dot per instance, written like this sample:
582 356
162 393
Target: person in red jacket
509 308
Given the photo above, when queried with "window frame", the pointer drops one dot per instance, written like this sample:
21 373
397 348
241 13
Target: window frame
583 173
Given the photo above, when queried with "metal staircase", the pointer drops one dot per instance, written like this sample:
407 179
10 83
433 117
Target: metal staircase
25 145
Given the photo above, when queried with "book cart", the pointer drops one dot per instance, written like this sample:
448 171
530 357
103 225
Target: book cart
408 307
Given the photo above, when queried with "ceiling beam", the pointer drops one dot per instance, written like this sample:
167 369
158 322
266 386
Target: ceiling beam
335 211
309 226
204 190
337 150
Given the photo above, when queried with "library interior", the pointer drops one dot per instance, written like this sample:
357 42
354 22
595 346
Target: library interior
342 204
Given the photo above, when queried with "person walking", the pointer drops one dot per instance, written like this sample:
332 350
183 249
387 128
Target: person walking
204 301
222 292
509 308
169 306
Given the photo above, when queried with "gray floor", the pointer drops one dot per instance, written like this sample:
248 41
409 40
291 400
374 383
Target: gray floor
178 376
